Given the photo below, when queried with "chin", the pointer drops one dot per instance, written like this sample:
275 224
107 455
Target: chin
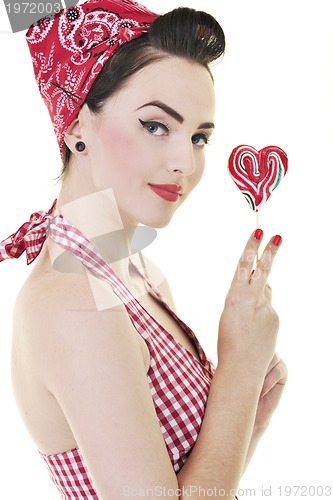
156 221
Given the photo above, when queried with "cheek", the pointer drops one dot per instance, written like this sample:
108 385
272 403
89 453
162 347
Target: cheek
120 153
194 179
197 176
118 144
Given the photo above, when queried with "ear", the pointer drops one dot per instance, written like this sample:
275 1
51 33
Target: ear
75 131
73 134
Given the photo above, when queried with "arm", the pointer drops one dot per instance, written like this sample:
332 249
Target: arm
96 371
272 382
247 338
270 396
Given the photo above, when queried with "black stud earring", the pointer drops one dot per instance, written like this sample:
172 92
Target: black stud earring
80 146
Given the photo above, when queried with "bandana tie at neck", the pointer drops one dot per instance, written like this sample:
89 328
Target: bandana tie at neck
30 237
70 48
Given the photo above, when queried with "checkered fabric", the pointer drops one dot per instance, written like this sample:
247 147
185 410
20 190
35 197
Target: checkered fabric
70 475
30 237
178 382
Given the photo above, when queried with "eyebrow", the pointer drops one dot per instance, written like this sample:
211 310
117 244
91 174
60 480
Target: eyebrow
173 113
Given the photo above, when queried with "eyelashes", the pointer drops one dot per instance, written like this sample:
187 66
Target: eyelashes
155 128
159 129
200 137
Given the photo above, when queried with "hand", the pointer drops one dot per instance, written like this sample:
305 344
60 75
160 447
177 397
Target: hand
249 324
271 393
270 396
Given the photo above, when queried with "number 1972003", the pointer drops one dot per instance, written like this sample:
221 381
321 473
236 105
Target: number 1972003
33 8
305 491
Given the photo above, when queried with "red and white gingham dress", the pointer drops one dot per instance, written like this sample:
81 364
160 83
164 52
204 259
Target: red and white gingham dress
178 382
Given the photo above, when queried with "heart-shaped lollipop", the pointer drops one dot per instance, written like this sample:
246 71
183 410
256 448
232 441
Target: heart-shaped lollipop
257 173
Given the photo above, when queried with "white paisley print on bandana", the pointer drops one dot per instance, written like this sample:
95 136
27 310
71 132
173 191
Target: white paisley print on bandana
70 48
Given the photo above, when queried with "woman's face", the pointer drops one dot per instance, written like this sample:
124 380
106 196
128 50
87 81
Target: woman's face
148 144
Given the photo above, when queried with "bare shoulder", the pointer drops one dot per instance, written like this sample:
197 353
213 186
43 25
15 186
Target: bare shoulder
57 312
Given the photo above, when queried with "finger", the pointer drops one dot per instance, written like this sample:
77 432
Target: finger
275 360
277 375
246 262
268 292
265 262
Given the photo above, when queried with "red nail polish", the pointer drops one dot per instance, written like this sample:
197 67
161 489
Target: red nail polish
258 234
277 240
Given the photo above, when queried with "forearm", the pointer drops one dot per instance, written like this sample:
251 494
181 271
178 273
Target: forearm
246 344
255 438
219 455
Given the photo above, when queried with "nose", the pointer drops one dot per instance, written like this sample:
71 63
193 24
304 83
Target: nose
182 159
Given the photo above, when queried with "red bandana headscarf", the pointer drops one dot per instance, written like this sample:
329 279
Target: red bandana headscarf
70 48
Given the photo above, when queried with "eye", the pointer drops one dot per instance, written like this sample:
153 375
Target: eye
155 128
200 140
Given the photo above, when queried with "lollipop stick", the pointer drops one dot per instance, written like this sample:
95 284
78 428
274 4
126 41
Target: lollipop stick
257 227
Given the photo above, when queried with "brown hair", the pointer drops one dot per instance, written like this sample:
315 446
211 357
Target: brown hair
182 32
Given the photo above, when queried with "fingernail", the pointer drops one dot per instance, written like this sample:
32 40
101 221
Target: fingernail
258 234
277 240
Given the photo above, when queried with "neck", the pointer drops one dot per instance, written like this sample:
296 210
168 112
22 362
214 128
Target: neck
97 216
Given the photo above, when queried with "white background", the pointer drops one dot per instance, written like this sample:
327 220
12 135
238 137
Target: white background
274 86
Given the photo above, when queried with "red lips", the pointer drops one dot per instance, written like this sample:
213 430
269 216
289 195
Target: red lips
169 192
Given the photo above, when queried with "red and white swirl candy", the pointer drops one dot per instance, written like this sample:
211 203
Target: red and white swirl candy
257 173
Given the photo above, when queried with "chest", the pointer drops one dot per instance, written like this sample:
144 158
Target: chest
159 312
179 385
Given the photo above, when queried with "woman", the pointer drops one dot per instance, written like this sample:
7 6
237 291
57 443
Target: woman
113 387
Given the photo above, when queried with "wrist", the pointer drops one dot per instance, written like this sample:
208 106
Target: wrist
242 365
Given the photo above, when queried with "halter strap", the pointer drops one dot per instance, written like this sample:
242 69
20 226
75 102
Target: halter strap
31 236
